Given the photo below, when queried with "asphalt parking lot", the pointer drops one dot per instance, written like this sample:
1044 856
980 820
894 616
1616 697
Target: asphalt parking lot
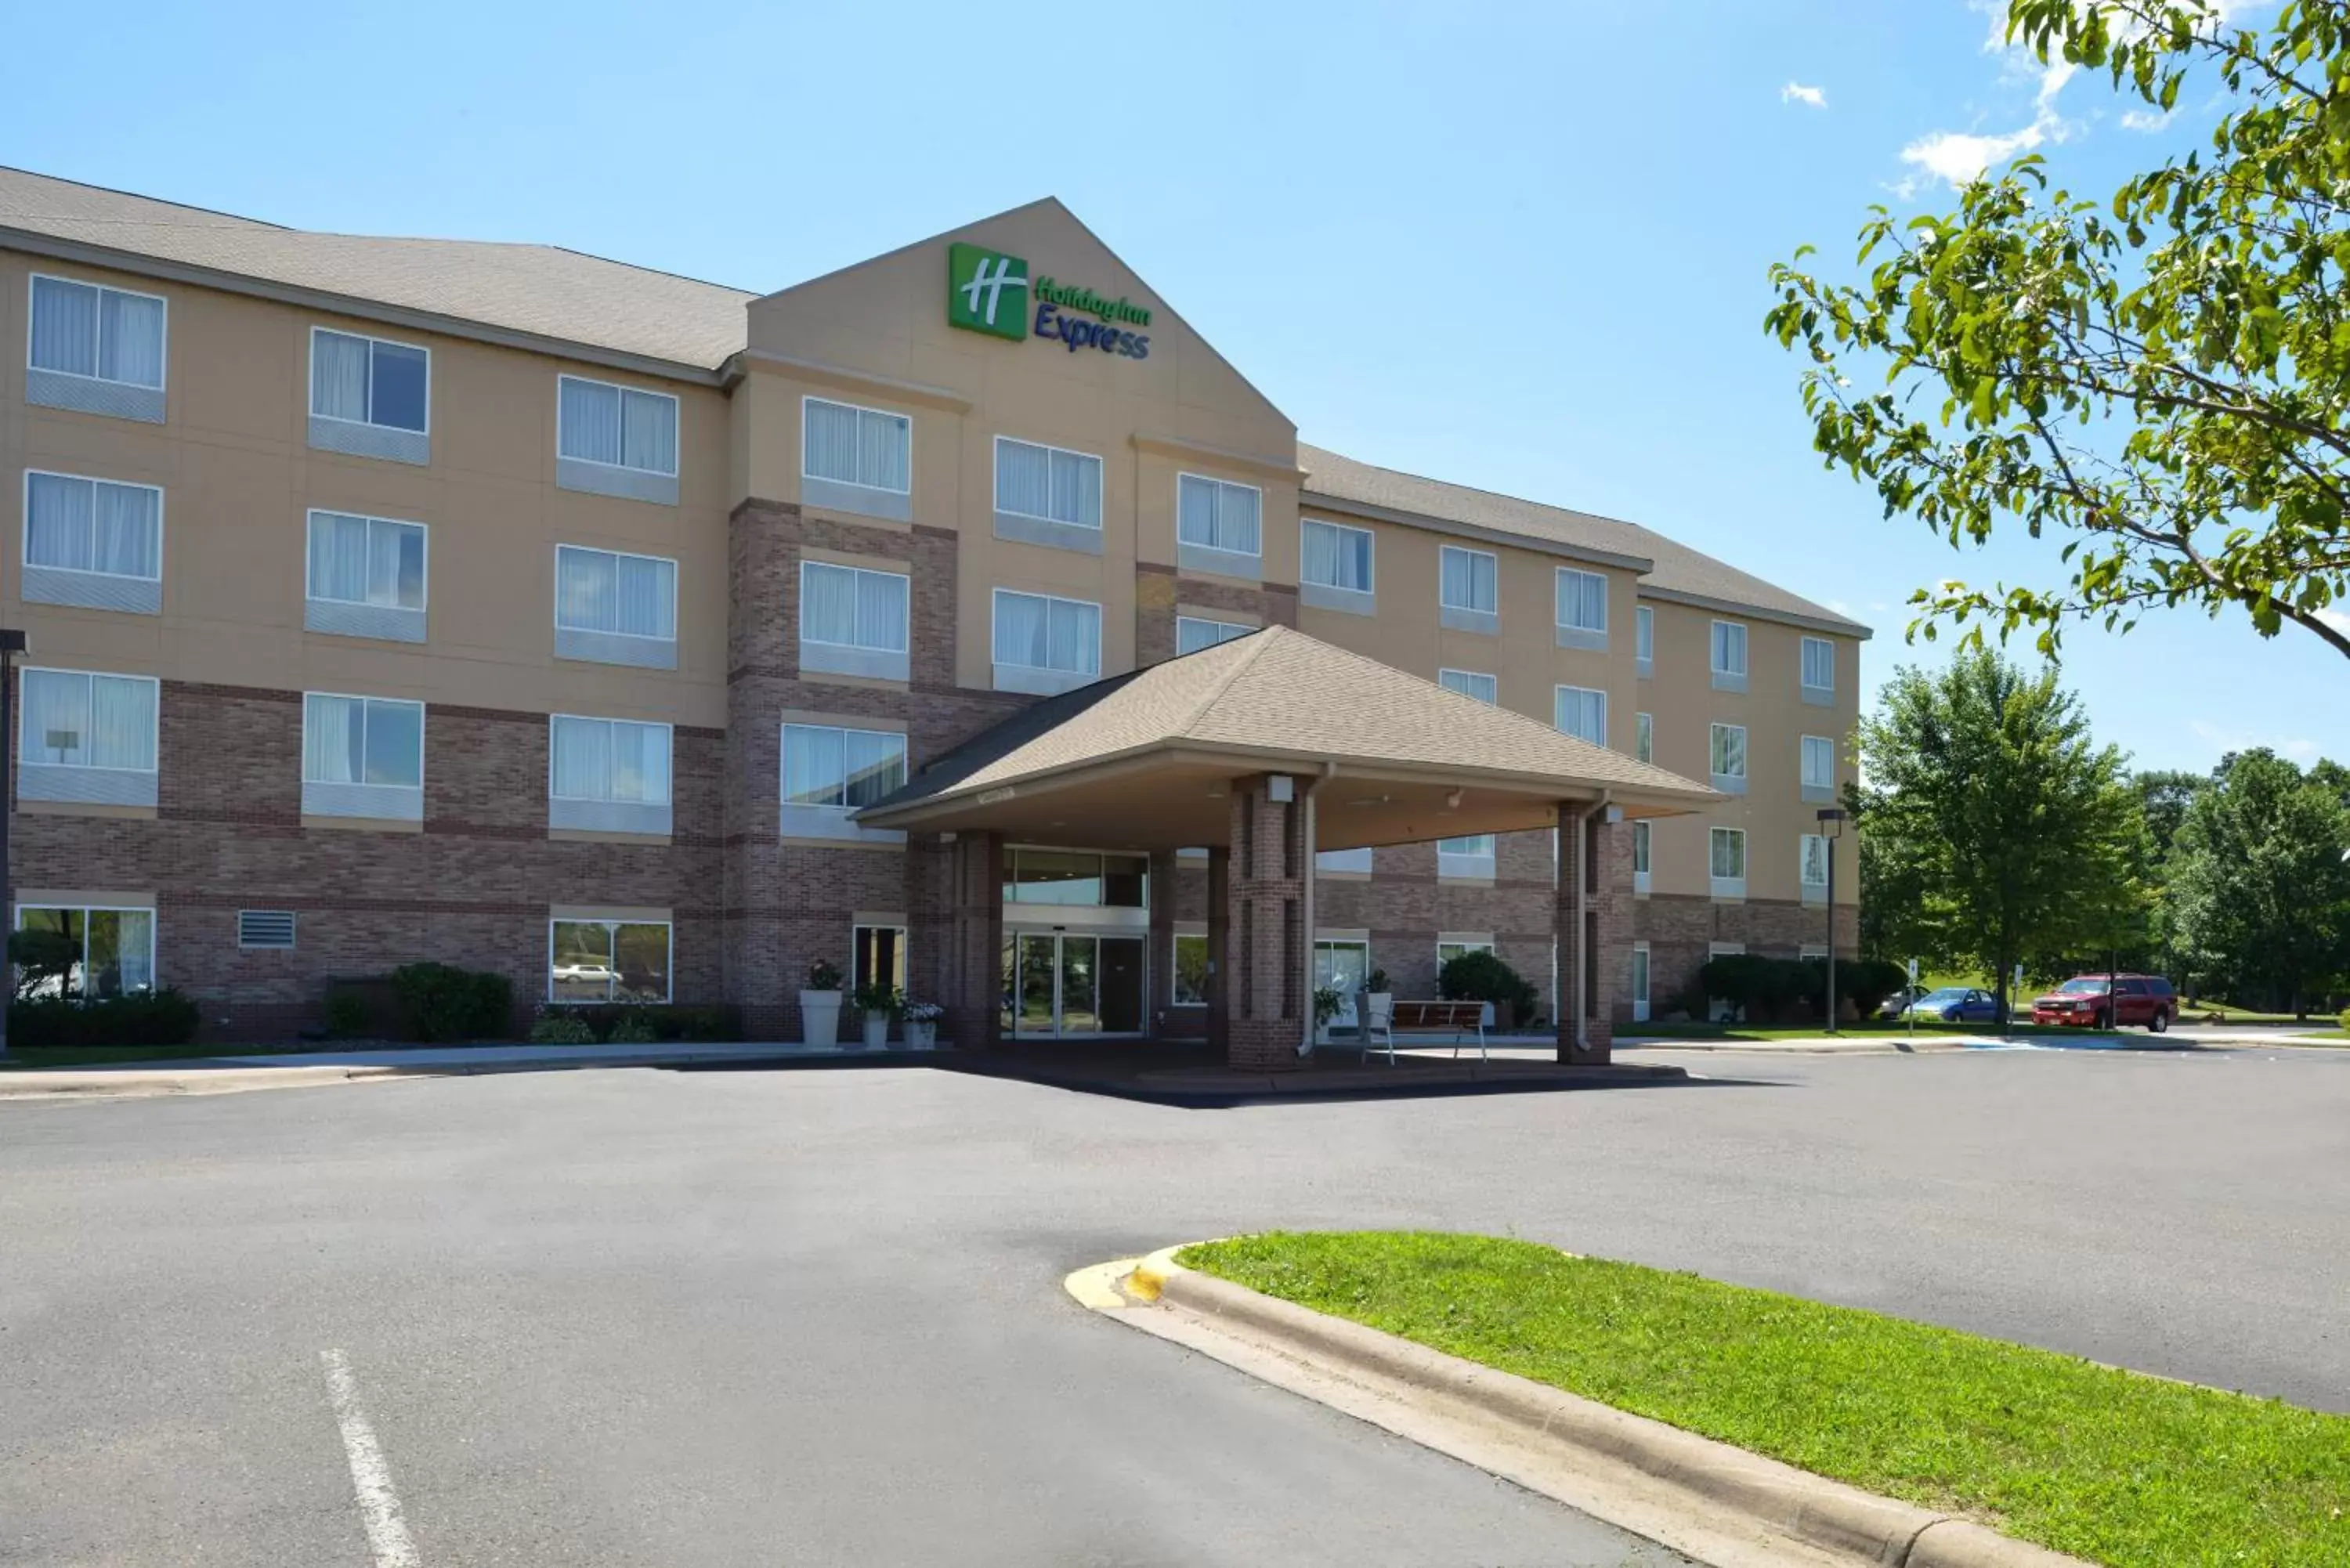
687 1317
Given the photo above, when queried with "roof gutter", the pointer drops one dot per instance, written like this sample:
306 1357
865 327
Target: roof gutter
1305 1045
1833 628
1309 496
36 244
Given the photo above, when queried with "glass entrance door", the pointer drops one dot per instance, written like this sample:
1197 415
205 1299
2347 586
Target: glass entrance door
1058 986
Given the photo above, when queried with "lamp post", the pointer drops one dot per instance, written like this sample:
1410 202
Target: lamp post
12 643
1832 821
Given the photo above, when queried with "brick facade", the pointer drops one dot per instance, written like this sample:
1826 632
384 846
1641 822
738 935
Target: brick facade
1265 1004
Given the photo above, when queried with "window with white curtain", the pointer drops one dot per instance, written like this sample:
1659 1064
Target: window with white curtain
1334 555
1466 579
1192 633
1814 854
1644 736
1583 713
1582 601
1644 633
1729 648
849 445
367 561
1819 664
77 718
77 524
1727 852
619 427
1729 751
115 949
1471 683
1819 763
608 591
1048 483
1041 632
616 760
826 765
852 608
369 381
1217 514
362 740
99 333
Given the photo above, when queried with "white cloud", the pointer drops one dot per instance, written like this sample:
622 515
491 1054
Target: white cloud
2223 740
2338 620
1796 92
2145 120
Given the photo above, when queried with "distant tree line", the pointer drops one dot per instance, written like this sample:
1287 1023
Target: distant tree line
1994 831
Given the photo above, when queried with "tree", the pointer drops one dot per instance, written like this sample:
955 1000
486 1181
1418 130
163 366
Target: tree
2163 379
2018 836
2164 796
2259 894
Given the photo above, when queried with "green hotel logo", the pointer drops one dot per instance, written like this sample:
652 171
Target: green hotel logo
987 291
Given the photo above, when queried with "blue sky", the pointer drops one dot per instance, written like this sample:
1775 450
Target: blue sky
1519 247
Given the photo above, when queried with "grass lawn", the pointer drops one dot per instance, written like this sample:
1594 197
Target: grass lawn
2121 1469
26 1056
1873 1031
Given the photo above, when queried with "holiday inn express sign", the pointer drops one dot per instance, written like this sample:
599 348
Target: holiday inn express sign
990 292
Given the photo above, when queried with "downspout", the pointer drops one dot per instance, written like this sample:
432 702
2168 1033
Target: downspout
1583 920
1329 771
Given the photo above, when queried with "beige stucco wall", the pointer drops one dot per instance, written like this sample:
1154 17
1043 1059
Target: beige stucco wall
239 479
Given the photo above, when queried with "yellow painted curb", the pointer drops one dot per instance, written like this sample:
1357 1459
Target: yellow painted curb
1150 1275
1095 1285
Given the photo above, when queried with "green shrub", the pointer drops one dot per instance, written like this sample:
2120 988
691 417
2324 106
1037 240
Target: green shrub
698 1022
632 1028
560 1027
148 1018
442 1002
1481 976
2344 1019
349 1013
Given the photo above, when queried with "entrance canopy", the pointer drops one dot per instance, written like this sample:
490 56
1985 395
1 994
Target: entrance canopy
1145 761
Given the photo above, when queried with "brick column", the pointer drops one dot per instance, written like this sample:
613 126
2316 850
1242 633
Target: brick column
1265 1000
1588 951
970 974
1220 944
1159 962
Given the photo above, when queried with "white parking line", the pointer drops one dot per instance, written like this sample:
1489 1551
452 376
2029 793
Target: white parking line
387 1535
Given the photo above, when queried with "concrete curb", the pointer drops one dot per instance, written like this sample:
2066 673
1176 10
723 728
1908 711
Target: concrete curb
1844 1521
194 1078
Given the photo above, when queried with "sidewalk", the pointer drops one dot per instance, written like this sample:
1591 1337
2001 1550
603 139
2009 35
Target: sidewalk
228 1074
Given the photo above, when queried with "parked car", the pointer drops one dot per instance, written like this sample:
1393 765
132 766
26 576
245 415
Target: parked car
2109 1001
1954 1005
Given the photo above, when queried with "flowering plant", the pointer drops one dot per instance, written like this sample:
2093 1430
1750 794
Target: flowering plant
924 1011
824 975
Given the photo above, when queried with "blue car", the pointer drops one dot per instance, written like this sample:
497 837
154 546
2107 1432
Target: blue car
1954 1005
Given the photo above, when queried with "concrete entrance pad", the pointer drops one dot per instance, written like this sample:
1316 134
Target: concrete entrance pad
1195 1076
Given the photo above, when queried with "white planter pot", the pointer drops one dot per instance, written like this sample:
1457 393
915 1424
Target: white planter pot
877 1032
820 1018
921 1035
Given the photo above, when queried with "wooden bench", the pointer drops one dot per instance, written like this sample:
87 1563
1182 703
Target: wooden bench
1422 1020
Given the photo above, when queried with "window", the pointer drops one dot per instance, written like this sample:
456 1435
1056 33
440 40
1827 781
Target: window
1076 877
1047 484
1582 605
1819 768
1217 514
1193 634
1644 736
877 956
1728 656
96 333
1478 846
1640 848
1190 969
1344 967
368 381
374 741
601 596
1446 950
614 760
265 928
851 607
844 444
94 526
840 769
367 561
74 719
1469 683
1819 667
1729 751
1332 555
1465 580
1583 713
1639 982
1727 850
615 427
1813 855
115 949
1036 633
608 960
1644 637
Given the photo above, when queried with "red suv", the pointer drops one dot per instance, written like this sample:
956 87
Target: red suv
2109 1001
